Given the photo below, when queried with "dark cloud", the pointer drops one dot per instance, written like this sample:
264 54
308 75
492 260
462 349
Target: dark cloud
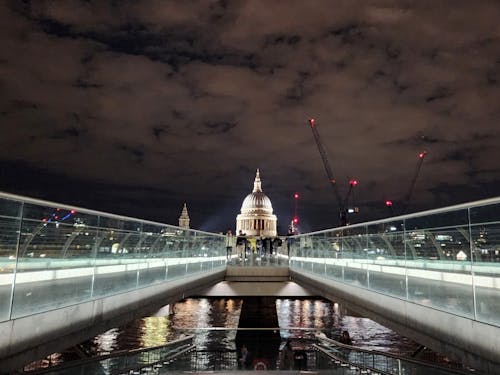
272 41
217 127
439 93
158 131
349 34
70 132
84 84
142 106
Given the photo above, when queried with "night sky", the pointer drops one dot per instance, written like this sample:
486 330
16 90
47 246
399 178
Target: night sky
135 107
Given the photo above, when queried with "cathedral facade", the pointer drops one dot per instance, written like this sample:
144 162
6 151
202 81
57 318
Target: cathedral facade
256 216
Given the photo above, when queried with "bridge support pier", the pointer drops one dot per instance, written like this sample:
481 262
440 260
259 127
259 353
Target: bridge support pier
258 314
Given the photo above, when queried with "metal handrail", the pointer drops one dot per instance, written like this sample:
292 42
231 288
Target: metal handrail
117 354
434 211
68 207
339 359
171 358
327 342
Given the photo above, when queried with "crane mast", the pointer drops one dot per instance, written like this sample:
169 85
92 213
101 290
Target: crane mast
326 163
408 196
331 179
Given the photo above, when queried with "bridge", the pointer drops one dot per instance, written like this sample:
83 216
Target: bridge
67 274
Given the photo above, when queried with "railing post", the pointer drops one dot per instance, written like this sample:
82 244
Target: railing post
138 250
95 252
471 247
406 259
18 244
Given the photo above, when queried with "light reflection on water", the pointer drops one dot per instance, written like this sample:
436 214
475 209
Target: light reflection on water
203 313
197 315
190 316
331 319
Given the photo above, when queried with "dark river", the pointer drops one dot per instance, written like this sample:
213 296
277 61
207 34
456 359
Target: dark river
214 323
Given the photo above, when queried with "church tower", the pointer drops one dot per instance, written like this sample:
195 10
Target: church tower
256 217
184 218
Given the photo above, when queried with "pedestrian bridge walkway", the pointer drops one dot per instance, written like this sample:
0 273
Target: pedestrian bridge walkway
67 273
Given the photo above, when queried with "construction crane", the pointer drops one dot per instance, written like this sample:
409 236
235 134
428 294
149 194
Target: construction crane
406 202
342 203
407 199
294 225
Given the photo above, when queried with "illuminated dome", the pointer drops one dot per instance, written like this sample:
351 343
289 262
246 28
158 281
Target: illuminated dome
256 201
256 217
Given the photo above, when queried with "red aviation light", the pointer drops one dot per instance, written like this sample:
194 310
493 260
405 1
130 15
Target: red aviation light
296 195
388 203
422 154
295 220
353 182
311 122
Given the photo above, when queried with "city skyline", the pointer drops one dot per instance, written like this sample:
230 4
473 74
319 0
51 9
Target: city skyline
136 108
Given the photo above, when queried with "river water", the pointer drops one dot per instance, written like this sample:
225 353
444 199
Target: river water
214 322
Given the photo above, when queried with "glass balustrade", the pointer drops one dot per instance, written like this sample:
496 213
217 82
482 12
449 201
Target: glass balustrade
447 259
54 255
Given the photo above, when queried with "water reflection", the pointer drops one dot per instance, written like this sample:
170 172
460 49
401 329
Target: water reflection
107 342
368 334
154 332
214 323
304 317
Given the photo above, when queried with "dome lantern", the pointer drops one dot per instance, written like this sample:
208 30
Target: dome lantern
257 186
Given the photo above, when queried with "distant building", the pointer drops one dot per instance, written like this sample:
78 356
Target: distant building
184 218
256 217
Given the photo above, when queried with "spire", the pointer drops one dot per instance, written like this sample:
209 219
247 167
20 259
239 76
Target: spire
256 184
184 218
185 210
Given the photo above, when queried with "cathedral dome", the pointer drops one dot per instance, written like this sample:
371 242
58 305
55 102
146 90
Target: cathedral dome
256 217
257 201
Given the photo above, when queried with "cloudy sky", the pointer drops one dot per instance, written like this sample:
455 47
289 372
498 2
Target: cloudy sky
135 107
